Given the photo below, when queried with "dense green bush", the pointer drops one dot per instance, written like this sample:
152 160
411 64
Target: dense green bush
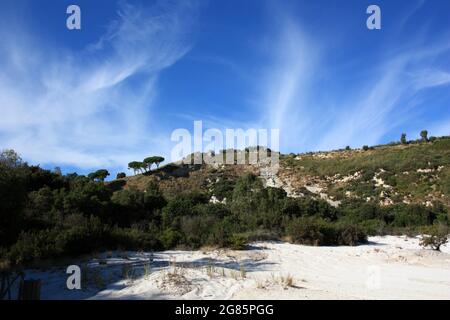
297 207
310 231
373 227
223 189
435 237
238 241
170 238
197 229
413 215
316 231
13 195
349 235
121 175
34 245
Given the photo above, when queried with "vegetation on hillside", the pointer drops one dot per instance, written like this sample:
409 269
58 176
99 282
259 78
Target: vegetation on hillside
44 214
417 172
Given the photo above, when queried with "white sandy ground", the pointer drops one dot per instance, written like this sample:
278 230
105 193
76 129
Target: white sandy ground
388 267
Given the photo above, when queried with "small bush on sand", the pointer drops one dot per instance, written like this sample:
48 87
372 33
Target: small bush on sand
243 272
437 237
128 272
349 235
238 241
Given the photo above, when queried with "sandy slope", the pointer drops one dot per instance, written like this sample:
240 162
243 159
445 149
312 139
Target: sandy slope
387 268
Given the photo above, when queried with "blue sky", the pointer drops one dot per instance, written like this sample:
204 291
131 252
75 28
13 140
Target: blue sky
115 90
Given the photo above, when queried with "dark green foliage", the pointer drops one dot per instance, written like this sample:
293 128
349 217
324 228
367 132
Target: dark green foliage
158 160
317 232
116 185
224 189
412 215
132 205
46 215
238 241
99 175
36 245
403 139
197 229
358 211
14 184
121 175
149 161
136 166
170 238
77 236
435 237
373 227
424 135
297 207
185 204
365 148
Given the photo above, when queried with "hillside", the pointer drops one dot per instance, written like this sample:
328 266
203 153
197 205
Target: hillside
324 198
416 173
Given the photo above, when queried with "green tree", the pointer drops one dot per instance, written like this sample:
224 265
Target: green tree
438 237
424 135
92 175
57 171
158 160
13 196
10 158
135 166
149 161
403 138
121 175
101 174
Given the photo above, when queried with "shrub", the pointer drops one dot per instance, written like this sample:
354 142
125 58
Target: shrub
403 139
310 231
412 215
223 189
373 227
121 175
238 242
34 245
84 236
349 235
116 185
196 229
424 135
316 231
134 239
170 238
437 237
308 207
181 205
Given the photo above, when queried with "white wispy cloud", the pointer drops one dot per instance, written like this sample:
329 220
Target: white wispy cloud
296 100
431 78
285 86
79 108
